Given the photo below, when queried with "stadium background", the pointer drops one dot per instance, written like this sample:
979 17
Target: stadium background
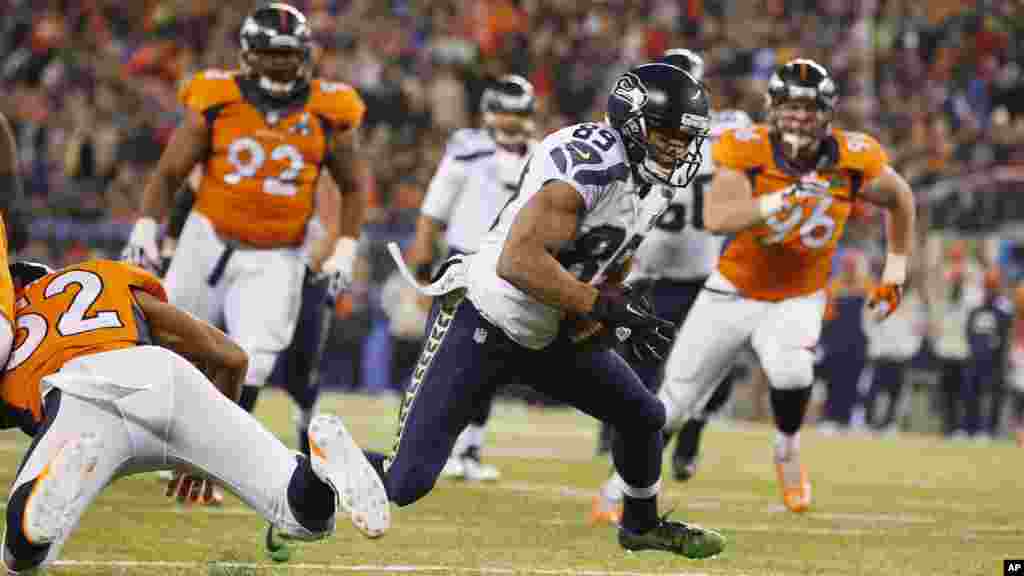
90 88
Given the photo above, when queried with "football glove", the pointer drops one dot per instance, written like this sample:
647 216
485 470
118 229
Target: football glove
629 317
884 300
339 266
141 249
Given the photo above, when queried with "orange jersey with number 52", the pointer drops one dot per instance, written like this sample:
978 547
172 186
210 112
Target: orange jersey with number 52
259 179
790 254
75 311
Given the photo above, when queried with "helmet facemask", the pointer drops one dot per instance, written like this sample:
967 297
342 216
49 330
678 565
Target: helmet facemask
801 124
510 131
280 72
670 158
508 108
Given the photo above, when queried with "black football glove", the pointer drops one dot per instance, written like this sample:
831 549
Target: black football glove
630 318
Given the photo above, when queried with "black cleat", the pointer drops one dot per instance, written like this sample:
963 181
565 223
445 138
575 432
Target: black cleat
684 539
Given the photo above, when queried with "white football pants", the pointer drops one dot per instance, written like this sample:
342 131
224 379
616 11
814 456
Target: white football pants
153 410
255 297
782 334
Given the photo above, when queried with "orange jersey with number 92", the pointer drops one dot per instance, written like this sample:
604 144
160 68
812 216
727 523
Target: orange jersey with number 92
790 254
75 311
259 180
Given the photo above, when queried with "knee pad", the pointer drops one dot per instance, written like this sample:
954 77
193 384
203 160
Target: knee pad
788 368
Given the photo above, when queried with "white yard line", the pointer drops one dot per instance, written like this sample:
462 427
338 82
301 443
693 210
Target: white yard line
385 569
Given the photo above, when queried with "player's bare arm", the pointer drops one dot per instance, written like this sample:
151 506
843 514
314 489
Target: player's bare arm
545 224
187 147
348 167
328 208
428 230
193 338
730 205
892 192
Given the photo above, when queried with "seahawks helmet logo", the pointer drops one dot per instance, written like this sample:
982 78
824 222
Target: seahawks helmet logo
629 89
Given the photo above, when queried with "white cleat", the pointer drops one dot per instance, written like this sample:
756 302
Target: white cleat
477 472
338 461
454 469
50 508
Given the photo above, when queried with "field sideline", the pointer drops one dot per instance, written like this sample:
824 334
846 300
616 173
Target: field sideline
906 505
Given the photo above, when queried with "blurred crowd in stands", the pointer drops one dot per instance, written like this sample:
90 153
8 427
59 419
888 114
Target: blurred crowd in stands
90 87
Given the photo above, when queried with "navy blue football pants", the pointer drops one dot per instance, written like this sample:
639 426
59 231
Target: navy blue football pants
465 358
293 369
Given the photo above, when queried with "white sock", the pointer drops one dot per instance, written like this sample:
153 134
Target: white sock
786 446
642 493
613 488
474 436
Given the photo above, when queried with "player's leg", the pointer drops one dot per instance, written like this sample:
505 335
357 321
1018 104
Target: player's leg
714 332
674 300
716 329
601 384
784 340
77 451
295 494
294 368
465 461
687 449
192 269
263 294
459 365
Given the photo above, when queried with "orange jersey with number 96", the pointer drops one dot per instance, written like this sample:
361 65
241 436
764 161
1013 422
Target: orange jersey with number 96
76 311
259 179
790 254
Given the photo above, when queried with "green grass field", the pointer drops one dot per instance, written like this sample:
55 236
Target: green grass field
907 505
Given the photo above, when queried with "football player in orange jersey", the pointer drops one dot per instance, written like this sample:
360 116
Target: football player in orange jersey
103 402
10 189
262 136
783 191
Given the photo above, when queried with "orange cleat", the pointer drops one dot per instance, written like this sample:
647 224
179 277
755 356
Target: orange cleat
796 489
605 512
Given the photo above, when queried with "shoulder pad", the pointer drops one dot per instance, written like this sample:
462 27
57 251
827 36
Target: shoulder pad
467 144
742 148
860 152
209 88
338 103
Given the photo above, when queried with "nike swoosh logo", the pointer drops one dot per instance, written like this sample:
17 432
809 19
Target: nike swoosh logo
584 155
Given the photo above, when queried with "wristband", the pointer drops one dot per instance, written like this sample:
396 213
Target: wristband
895 271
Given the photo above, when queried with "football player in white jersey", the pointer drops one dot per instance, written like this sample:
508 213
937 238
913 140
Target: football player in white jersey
477 176
524 304
670 266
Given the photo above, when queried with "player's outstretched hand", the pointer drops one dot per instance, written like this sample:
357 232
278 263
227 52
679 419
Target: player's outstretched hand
884 300
630 317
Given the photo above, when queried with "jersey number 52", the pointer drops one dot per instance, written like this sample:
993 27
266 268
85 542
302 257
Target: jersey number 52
72 322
